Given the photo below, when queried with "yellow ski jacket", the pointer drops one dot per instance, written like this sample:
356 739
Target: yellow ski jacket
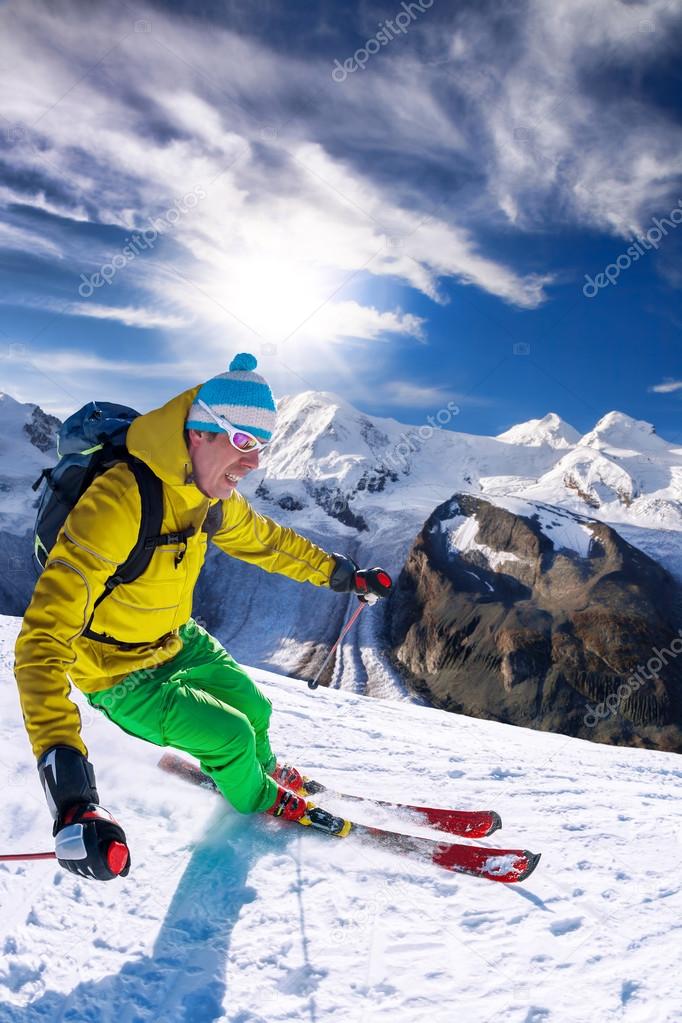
97 536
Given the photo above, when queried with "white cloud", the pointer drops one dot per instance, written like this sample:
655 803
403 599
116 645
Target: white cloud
408 394
65 361
131 316
39 201
565 149
62 380
337 320
23 240
667 387
115 125
128 315
285 225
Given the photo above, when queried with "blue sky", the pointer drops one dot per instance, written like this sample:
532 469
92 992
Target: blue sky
407 233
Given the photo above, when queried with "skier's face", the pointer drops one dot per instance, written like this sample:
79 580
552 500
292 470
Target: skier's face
217 465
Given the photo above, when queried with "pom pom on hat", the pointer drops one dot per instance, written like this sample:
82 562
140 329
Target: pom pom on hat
244 361
241 396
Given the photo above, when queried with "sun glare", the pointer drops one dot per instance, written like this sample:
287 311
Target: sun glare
275 298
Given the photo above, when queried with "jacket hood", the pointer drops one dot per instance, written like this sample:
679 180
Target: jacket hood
157 438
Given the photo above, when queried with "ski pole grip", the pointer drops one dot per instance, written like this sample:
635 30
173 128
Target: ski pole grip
384 579
371 584
117 856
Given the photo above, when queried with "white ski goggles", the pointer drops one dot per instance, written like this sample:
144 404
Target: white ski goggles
242 440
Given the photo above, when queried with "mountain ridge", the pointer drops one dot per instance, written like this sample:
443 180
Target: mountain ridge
364 486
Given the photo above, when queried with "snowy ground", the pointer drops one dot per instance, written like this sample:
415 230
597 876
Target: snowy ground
243 919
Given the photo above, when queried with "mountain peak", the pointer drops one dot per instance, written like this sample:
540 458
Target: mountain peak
13 411
551 430
7 399
619 430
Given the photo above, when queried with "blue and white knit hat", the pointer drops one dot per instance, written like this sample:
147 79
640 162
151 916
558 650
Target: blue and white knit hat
241 396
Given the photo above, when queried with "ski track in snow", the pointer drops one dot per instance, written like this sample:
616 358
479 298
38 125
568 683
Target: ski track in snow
244 919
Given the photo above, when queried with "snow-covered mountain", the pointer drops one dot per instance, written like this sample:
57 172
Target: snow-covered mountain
28 443
360 470
551 430
327 456
621 469
232 919
365 486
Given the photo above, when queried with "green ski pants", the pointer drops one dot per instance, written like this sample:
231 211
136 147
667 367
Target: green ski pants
204 703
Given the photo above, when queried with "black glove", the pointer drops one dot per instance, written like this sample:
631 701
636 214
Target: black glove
88 841
91 843
368 583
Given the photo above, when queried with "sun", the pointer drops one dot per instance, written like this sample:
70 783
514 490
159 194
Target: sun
274 298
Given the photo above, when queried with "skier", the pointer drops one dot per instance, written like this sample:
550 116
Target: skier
153 669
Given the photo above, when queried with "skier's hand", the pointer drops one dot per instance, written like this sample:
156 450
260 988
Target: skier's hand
372 583
368 583
91 843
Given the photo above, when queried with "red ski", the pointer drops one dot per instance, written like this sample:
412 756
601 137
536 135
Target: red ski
505 865
465 823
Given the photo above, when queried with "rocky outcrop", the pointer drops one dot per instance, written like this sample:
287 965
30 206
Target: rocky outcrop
42 430
493 617
336 503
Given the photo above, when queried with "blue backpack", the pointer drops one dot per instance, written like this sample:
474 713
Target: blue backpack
91 441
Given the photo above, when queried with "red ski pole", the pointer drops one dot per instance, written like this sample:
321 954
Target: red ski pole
313 684
369 596
28 856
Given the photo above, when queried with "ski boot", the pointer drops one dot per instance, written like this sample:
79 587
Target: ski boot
293 807
288 805
290 778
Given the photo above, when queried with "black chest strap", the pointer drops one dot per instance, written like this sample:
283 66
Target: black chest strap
148 539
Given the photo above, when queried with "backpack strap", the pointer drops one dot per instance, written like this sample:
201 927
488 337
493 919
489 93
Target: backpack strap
148 539
213 520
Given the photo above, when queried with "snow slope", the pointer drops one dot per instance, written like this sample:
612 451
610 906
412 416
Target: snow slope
243 919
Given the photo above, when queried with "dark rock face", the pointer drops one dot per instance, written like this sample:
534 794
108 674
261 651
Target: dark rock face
286 501
517 630
42 430
336 504
331 499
